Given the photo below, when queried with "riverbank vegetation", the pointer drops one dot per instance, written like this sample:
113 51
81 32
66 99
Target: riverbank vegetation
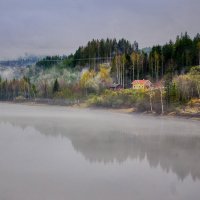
89 74
175 93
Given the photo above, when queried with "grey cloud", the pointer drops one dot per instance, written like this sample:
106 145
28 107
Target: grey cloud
59 27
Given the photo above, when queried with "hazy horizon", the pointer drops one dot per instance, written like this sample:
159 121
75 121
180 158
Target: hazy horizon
60 27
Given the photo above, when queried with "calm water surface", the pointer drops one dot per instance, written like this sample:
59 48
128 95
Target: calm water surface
58 153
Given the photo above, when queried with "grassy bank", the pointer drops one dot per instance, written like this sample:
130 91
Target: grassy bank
143 101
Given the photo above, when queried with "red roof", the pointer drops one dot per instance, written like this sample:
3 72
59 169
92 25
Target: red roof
142 82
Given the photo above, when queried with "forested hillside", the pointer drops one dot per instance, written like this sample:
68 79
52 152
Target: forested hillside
129 62
89 73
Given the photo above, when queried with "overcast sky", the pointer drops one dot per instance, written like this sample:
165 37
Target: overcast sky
50 27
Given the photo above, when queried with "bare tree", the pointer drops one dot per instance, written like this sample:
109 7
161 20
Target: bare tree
134 60
151 93
138 66
123 69
161 88
156 56
162 58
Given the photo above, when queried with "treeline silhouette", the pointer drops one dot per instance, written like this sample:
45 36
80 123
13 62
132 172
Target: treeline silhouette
12 89
149 63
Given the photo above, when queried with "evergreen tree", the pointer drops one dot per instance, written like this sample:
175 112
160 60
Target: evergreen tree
56 86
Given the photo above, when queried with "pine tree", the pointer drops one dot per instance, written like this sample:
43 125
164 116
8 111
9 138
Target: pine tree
56 86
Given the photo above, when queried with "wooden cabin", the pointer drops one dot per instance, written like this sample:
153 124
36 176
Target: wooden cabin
141 84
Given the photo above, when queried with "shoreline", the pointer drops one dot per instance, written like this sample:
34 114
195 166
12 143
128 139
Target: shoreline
130 110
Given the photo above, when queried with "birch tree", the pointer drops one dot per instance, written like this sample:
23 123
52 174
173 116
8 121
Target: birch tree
156 57
161 89
138 66
133 60
123 69
151 94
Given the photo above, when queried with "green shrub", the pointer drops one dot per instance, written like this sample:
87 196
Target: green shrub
116 99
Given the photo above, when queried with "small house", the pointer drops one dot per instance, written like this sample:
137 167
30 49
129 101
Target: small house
141 84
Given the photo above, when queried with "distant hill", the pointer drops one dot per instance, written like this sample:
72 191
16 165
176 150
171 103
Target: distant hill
20 62
17 68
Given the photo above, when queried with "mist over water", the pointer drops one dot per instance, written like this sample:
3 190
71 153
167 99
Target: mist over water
65 153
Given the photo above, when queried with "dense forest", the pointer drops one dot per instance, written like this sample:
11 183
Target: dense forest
129 62
92 69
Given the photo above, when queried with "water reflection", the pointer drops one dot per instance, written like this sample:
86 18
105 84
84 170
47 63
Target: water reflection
174 146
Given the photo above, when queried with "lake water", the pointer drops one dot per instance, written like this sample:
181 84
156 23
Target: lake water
59 153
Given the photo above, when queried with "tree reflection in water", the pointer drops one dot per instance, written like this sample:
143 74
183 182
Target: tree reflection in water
171 144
